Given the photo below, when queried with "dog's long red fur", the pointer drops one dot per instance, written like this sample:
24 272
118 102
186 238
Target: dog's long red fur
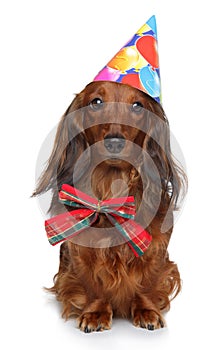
95 283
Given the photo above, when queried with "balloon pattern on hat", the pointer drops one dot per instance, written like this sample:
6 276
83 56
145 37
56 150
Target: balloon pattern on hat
137 63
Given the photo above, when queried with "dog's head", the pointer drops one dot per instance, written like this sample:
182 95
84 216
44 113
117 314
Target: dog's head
114 120
121 127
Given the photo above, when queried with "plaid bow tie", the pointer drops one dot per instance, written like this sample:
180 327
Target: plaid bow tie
119 211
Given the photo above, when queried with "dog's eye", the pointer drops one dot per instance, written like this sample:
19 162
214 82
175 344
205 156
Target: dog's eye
96 104
137 107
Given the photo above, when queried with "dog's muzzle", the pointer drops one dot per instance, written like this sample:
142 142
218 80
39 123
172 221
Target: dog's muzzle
114 144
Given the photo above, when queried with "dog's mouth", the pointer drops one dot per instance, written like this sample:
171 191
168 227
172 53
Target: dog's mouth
115 149
114 161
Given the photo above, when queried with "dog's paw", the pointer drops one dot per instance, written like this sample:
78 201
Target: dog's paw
95 321
148 319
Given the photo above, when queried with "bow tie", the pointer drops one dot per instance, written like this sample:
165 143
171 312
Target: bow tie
119 211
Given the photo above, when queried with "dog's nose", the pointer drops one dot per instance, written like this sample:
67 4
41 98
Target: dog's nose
114 144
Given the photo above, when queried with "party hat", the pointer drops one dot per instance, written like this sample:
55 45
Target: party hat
137 63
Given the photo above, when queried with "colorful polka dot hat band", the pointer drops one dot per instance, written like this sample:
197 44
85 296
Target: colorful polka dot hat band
137 63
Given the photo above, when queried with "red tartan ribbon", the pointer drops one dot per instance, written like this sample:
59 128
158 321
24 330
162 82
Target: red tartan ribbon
119 211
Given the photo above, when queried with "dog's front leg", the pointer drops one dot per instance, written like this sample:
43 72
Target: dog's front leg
97 316
145 314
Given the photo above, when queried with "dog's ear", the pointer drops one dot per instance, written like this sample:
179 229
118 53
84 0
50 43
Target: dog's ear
69 144
166 179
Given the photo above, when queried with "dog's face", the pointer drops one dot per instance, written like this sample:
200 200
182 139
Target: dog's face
118 125
114 120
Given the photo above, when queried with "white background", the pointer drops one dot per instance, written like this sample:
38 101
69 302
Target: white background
52 49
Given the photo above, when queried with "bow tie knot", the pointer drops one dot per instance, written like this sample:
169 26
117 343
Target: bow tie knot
98 207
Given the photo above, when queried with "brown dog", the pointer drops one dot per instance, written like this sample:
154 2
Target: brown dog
119 129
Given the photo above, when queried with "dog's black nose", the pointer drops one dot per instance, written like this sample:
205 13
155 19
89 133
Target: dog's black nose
114 144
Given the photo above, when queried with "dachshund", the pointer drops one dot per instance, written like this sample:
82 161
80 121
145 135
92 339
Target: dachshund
112 141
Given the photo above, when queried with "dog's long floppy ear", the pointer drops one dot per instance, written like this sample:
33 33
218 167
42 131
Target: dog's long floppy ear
69 144
166 179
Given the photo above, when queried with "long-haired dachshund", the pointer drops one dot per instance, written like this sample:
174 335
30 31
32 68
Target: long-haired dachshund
114 141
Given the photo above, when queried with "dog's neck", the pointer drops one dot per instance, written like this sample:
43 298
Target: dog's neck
111 181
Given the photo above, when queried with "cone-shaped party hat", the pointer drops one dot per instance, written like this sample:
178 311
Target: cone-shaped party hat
137 63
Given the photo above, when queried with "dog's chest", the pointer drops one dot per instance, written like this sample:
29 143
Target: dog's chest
118 272
119 282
